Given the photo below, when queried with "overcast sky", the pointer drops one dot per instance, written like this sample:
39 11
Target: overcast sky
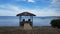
38 7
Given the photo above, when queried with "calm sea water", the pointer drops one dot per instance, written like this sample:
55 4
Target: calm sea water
14 20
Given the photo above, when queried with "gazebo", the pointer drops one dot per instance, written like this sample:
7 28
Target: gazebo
30 21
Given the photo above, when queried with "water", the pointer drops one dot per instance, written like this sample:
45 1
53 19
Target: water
14 20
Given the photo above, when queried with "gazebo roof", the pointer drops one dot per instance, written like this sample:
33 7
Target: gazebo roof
25 14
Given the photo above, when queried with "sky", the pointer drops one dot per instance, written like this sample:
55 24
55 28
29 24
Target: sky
37 7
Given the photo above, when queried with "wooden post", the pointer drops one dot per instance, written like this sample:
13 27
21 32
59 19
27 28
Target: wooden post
19 20
32 21
31 17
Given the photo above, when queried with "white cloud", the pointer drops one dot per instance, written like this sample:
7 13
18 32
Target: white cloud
56 5
11 10
19 0
31 1
44 12
10 7
5 13
26 0
56 2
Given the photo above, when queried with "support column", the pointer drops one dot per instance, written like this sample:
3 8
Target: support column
32 20
31 17
19 21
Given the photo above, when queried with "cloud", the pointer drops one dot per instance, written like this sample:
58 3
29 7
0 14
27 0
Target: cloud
9 10
56 5
5 13
44 12
19 0
10 7
12 10
56 2
32 1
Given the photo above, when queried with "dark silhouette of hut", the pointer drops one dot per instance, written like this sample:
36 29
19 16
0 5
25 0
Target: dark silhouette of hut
30 21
